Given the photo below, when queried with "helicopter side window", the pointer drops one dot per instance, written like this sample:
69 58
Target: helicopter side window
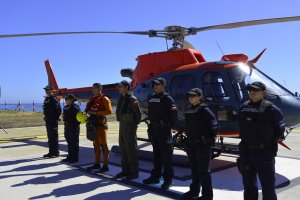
213 87
180 85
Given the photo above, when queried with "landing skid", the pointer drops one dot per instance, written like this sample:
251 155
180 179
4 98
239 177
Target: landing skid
219 147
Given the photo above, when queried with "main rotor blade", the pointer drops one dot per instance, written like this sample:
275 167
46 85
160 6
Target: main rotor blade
249 23
72 33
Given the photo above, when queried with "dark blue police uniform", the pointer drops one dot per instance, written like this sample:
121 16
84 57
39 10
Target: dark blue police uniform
201 129
162 113
72 131
52 111
261 125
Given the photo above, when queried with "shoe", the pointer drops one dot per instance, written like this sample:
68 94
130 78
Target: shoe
95 166
204 198
104 168
50 155
189 195
151 180
166 185
121 174
132 176
73 160
66 160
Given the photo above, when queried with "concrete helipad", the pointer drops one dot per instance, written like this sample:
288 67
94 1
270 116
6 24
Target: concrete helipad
24 174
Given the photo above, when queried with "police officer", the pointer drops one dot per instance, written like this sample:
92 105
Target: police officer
261 126
52 111
201 129
72 128
129 115
162 113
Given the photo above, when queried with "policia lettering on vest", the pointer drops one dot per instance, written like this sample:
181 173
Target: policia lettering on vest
162 113
261 126
201 129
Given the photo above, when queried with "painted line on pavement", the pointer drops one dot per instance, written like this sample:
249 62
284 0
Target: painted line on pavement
6 140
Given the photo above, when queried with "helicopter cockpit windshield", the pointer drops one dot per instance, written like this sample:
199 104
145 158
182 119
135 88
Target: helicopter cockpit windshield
243 74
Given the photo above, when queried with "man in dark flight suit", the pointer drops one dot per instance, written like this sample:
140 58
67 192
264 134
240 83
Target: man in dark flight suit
261 126
72 128
52 111
129 115
201 129
162 113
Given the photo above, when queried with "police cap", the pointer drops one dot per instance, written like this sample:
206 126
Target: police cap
125 83
48 87
98 85
195 92
160 81
70 96
257 85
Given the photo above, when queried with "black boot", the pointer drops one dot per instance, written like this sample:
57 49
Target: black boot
151 180
189 195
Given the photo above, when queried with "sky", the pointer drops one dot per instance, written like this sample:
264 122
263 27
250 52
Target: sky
81 60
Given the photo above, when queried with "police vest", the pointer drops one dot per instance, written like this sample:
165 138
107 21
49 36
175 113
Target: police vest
255 125
195 123
51 108
69 114
159 110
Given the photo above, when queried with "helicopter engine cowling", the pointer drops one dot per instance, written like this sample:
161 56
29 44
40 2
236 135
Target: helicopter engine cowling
128 72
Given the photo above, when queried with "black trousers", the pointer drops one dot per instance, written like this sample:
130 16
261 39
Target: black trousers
52 133
162 143
199 156
259 162
72 137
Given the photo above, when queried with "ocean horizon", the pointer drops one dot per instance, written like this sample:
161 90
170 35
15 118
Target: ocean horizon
36 107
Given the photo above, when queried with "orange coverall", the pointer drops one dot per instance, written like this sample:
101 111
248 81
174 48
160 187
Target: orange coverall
101 105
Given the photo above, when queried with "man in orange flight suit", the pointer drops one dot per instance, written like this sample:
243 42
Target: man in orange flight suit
99 106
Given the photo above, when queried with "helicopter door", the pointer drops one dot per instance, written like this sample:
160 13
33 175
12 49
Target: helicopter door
180 85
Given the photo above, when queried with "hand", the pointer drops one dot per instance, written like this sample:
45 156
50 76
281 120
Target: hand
91 112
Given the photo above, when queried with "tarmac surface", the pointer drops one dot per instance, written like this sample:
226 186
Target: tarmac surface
24 174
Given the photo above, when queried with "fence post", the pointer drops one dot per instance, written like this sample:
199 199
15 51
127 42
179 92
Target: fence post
33 110
20 106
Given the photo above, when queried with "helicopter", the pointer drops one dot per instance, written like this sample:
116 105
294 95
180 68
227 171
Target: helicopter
223 81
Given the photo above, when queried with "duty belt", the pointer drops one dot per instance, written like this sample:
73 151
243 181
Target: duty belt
199 139
257 146
160 124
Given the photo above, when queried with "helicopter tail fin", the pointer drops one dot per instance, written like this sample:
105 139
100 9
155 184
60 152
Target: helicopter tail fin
284 145
51 78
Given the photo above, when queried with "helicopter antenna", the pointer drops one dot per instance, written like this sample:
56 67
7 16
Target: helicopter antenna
220 48
284 83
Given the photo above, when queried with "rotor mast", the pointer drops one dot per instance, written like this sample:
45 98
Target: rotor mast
175 33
